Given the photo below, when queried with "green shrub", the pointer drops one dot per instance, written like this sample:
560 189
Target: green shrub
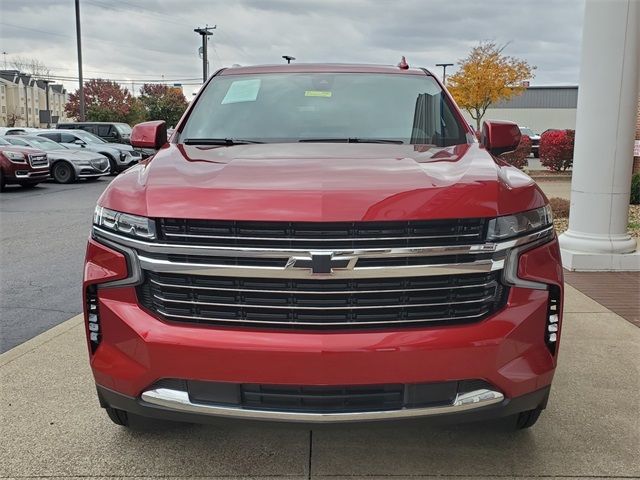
635 190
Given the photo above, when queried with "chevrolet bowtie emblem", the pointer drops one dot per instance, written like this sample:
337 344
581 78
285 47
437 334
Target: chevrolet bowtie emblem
322 263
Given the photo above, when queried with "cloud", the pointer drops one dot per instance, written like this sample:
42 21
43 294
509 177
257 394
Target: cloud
154 39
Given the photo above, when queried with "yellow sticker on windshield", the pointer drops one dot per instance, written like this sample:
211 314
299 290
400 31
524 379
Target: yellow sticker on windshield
317 93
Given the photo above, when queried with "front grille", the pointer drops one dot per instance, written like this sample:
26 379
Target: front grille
309 303
39 160
317 236
323 399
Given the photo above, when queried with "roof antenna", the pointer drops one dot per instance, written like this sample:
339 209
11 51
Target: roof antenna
403 64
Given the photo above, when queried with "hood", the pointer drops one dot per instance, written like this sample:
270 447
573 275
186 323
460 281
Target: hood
119 146
74 154
22 149
322 182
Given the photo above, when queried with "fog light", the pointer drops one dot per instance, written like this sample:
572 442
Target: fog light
553 319
93 317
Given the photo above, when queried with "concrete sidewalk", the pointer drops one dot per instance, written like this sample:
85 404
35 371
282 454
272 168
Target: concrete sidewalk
52 426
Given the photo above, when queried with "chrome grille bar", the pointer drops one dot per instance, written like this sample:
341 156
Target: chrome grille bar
317 292
316 324
167 266
298 307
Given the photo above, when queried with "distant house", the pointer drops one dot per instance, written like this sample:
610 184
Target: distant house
23 100
538 108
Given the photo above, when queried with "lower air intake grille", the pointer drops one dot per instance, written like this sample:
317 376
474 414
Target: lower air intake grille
314 304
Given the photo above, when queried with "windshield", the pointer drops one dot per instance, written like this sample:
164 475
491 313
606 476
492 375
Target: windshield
291 107
88 137
526 131
4 142
123 128
44 143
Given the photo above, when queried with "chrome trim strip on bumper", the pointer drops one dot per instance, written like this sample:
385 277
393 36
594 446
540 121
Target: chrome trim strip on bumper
179 401
31 174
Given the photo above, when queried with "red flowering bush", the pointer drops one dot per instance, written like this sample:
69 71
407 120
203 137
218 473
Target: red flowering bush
556 149
518 157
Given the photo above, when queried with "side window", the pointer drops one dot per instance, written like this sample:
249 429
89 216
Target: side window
88 128
67 138
104 130
52 136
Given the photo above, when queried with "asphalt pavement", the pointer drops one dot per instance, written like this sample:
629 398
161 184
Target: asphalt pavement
43 235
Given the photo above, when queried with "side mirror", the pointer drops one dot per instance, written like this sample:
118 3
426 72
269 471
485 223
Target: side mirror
149 134
77 141
499 137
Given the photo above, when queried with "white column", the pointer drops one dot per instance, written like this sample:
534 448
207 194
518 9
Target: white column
597 237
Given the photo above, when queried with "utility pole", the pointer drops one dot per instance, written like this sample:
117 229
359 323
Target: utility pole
4 56
444 71
47 82
80 79
205 33
288 58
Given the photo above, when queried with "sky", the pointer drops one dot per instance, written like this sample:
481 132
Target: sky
134 41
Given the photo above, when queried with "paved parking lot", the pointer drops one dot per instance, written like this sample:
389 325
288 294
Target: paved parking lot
43 236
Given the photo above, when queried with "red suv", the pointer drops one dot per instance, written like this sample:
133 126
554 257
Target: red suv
22 165
323 243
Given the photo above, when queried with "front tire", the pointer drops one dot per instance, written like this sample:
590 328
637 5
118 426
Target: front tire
117 416
528 419
113 166
63 173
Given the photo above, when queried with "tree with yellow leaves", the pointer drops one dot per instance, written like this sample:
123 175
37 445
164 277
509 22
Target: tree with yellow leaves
486 76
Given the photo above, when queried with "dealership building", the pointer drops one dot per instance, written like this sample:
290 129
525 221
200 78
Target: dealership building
539 108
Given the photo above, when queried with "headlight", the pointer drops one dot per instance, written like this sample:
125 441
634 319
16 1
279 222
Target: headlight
16 157
131 225
510 226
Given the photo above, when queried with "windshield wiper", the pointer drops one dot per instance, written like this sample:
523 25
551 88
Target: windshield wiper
218 141
351 140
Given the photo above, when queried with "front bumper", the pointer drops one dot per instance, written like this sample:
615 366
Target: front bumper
40 174
183 410
506 350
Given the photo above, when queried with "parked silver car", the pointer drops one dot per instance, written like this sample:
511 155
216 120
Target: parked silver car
120 156
66 165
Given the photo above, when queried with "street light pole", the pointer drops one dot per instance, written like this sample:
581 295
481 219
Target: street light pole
47 82
80 79
444 71
205 32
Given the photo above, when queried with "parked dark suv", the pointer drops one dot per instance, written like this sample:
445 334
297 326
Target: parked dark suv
113 132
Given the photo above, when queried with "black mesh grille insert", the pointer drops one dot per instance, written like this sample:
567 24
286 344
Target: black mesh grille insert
301 304
322 235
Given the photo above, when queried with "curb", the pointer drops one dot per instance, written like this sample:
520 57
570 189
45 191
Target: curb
39 340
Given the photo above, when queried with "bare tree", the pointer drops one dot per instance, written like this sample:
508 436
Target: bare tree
31 66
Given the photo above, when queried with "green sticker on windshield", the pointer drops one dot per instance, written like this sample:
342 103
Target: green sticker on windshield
242 91
317 93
